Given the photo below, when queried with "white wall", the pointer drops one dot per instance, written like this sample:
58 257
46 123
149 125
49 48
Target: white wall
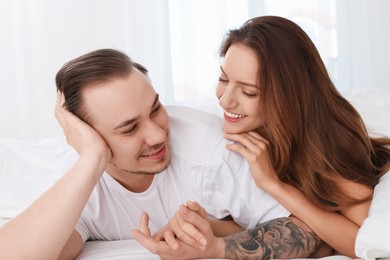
39 36
364 40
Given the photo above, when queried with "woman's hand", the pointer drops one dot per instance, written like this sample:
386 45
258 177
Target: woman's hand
81 136
254 148
182 227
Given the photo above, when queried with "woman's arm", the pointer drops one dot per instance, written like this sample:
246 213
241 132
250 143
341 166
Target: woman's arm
279 238
222 228
337 230
333 228
357 213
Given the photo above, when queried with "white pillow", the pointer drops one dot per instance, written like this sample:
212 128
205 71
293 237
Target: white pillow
373 238
27 168
373 104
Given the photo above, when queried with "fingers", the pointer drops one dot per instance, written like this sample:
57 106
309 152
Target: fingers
64 117
196 223
254 148
158 236
60 99
170 247
194 206
170 238
144 224
180 231
144 237
166 234
162 249
250 140
145 241
58 106
258 137
186 231
250 145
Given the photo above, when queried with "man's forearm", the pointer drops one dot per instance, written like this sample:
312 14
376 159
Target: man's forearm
278 238
42 230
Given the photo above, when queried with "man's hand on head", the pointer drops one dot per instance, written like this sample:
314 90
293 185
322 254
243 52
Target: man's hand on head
81 136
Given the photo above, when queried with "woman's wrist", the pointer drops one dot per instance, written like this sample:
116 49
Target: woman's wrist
219 248
273 187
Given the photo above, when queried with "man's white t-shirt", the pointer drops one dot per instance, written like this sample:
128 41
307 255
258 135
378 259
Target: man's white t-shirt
201 170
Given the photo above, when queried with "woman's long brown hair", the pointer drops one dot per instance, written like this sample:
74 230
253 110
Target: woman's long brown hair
315 135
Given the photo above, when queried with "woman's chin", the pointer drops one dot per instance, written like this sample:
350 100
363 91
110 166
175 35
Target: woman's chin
232 130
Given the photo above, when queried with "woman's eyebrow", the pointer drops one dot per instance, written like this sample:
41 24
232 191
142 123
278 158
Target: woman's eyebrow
248 84
223 71
240 82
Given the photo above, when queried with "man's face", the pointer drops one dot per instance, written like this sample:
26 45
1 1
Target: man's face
129 116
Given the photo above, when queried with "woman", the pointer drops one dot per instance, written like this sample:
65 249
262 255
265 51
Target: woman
306 145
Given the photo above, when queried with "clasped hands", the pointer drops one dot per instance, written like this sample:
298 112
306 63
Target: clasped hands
188 235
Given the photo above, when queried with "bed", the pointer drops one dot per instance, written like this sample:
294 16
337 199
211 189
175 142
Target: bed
34 163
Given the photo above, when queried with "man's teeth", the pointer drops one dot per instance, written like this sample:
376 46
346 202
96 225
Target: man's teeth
233 115
152 153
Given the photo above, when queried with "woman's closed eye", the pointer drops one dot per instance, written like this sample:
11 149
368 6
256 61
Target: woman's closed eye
224 80
250 94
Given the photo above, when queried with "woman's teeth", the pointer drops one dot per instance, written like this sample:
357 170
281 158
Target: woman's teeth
233 115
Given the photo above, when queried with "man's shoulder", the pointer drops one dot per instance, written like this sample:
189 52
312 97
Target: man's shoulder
194 134
187 118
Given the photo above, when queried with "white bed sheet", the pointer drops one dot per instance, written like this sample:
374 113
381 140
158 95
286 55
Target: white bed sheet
131 249
115 250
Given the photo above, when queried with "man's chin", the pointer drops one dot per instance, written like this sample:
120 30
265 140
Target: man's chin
147 170
158 169
165 166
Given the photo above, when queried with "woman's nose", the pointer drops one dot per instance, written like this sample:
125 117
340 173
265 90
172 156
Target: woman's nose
227 98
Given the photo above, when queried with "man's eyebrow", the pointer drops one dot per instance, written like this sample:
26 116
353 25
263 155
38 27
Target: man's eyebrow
126 123
241 82
133 120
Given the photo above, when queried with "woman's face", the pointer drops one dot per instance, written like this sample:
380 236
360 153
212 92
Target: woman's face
238 91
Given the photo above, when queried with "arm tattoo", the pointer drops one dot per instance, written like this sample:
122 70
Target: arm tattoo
278 238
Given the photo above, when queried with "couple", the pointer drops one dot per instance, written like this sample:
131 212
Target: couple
296 166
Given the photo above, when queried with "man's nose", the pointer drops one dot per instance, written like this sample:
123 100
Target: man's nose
154 134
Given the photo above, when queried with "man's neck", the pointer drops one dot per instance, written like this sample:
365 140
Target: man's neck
134 182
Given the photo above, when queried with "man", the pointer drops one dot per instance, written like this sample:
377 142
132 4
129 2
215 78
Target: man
133 158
